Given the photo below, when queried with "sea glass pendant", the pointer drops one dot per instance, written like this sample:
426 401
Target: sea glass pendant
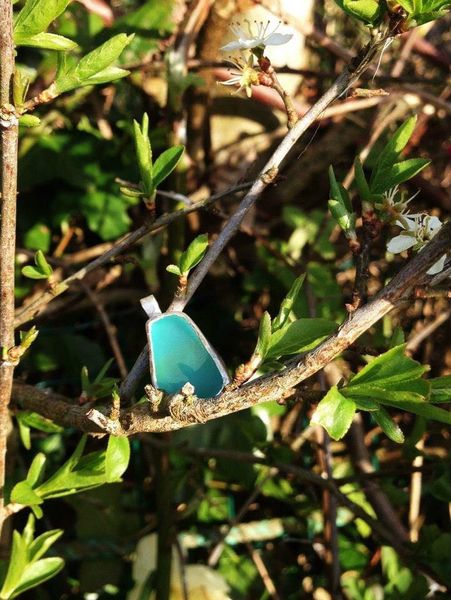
179 353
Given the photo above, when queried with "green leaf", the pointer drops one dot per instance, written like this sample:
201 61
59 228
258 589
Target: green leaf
84 71
36 573
174 270
36 469
47 41
36 16
32 419
106 75
361 182
335 413
29 121
411 400
105 213
388 172
23 493
299 336
24 432
42 270
42 264
340 204
368 11
193 254
16 566
166 163
38 237
398 173
389 368
388 425
440 389
117 458
423 11
42 543
57 480
264 336
144 153
287 304
33 273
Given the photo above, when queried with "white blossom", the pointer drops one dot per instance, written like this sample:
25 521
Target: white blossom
255 35
418 230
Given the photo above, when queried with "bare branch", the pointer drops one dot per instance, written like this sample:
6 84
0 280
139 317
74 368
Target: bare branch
139 418
9 140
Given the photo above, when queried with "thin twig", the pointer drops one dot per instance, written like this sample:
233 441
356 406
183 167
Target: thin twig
9 141
415 494
414 342
362 462
29 311
110 329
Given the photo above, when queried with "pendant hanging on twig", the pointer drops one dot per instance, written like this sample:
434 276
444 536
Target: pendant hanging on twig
179 353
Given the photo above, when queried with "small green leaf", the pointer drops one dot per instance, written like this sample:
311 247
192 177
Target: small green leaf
340 205
174 270
29 121
388 425
24 432
42 270
81 73
335 413
33 273
144 154
37 572
368 11
440 389
47 41
399 172
423 11
389 368
264 336
42 264
287 304
36 469
388 172
43 543
36 16
166 163
16 566
39 422
193 254
117 458
299 336
106 75
360 179
23 493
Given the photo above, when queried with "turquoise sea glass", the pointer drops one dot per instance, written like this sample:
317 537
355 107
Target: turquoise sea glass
180 356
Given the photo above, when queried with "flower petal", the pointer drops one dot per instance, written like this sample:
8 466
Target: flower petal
236 45
438 266
400 243
277 39
433 224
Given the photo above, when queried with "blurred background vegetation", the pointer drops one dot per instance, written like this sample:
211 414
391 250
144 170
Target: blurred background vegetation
71 208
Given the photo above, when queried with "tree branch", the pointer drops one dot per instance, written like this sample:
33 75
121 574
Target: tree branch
275 386
9 140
